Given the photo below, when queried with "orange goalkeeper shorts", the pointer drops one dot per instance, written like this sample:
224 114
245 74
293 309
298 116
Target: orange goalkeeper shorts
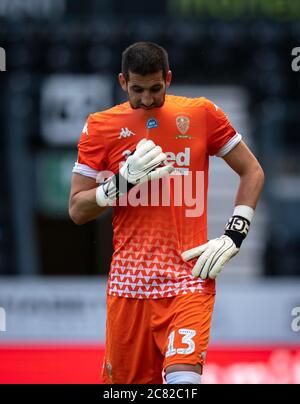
144 337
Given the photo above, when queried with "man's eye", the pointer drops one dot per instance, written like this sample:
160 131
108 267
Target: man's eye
156 89
139 90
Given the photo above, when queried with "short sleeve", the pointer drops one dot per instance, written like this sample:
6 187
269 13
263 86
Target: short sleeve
221 136
91 150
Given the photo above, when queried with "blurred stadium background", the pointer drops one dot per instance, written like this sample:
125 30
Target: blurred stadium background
62 60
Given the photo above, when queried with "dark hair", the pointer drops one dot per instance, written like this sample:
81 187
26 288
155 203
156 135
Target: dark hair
145 58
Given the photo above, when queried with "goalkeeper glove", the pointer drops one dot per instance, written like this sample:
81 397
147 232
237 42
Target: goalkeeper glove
217 252
141 166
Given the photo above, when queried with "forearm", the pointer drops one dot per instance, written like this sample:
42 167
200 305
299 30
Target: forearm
212 256
250 188
84 208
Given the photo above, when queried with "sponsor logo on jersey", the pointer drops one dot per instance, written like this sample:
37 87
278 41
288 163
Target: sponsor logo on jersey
125 133
152 123
184 184
182 160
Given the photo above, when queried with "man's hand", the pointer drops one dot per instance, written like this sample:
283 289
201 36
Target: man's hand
144 164
217 252
213 256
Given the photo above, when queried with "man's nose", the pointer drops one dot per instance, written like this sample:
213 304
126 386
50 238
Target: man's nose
147 99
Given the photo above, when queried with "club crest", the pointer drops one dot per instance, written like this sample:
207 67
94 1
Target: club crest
183 124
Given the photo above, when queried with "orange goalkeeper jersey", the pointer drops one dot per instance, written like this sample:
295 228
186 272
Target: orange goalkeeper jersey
155 222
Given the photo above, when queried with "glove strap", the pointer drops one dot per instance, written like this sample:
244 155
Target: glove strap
112 189
238 226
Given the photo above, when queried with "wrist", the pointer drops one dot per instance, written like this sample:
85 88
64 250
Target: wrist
112 189
244 211
237 227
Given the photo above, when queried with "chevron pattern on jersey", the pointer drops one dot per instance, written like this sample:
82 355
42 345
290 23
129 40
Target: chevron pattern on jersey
150 266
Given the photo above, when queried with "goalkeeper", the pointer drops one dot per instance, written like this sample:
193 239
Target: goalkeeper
161 284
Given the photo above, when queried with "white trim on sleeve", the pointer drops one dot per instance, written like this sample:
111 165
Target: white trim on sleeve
85 170
230 145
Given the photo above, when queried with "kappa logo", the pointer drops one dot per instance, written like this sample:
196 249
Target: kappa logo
85 129
125 133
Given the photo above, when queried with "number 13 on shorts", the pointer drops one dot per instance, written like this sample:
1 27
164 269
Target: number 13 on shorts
187 339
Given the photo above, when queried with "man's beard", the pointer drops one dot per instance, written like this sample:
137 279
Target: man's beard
152 107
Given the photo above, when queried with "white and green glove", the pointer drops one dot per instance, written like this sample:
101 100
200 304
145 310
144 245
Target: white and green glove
144 164
217 252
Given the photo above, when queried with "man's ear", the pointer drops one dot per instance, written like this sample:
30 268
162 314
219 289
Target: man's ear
169 78
123 82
